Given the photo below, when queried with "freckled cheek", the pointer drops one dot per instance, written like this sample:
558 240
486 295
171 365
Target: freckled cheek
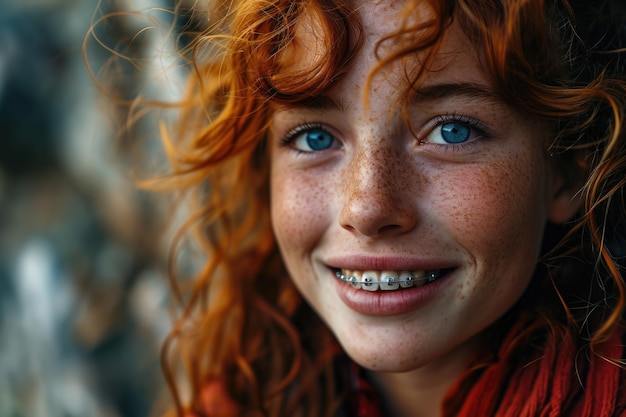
298 210
493 209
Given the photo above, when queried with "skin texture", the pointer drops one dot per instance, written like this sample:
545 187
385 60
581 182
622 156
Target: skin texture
380 198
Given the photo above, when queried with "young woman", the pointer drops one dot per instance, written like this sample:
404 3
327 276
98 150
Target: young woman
409 208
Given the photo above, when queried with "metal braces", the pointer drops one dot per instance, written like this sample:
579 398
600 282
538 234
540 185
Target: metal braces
432 276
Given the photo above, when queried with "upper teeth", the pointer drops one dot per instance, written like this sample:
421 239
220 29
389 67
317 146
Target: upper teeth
386 280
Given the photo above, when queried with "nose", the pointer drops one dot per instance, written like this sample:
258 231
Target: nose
379 191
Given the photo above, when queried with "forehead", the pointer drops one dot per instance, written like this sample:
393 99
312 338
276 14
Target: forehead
380 17
383 29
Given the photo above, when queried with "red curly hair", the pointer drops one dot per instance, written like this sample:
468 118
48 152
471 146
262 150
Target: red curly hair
243 322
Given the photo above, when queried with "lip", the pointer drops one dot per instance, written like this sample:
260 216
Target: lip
389 303
386 263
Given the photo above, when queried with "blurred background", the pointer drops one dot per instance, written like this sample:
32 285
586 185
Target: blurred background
83 293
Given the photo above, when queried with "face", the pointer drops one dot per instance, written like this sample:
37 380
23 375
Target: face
442 220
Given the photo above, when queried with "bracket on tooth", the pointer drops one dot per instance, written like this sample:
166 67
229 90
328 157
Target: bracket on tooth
352 280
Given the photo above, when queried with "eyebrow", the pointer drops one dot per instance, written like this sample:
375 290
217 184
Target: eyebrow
319 102
424 93
450 90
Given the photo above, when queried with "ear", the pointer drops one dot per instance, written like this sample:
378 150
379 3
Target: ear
564 202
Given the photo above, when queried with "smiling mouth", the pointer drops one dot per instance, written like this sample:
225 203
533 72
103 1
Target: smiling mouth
389 280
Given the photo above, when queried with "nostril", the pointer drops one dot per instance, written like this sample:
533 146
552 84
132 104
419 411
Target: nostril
347 227
389 228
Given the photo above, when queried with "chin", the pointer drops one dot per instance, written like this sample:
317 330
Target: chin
388 358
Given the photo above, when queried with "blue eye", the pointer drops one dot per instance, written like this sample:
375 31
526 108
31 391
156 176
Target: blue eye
311 139
455 132
318 140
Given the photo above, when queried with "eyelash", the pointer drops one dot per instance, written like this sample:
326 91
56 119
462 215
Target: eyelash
480 128
293 134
